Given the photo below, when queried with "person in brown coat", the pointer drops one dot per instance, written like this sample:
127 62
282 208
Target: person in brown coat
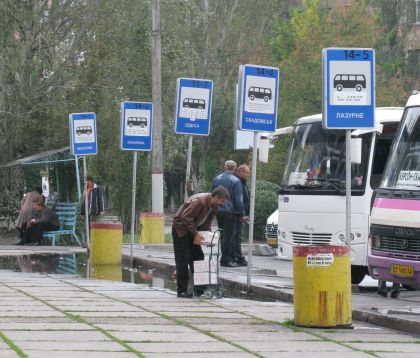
196 214
47 221
25 214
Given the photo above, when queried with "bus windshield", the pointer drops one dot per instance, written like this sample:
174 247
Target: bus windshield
403 168
317 159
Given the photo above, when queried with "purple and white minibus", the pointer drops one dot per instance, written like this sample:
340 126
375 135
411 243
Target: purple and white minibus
395 217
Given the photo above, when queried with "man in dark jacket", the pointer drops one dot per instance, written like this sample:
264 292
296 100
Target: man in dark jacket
242 173
196 214
228 213
96 199
46 220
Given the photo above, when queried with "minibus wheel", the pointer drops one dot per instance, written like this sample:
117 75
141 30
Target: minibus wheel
357 274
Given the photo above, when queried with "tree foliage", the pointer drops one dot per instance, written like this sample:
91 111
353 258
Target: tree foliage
63 56
296 48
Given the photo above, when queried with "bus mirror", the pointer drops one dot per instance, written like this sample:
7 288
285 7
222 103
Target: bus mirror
356 150
378 129
263 150
283 131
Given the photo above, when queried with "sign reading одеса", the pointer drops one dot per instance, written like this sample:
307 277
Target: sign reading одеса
83 133
136 125
348 88
193 106
259 98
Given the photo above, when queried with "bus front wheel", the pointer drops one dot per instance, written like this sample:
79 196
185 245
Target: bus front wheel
358 273
339 88
358 88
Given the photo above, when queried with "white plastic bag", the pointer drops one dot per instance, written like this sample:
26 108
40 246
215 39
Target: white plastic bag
208 236
205 272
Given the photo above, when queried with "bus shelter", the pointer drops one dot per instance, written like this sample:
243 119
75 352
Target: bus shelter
57 165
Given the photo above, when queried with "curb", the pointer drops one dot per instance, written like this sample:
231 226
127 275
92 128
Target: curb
378 319
257 249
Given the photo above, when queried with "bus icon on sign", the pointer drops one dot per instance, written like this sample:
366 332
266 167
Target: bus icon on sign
357 82
259 92
194 103
84 130
137 121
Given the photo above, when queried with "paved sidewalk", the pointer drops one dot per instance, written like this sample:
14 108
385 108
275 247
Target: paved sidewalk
65 316
273 279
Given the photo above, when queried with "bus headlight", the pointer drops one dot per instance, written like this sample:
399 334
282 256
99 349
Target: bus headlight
342 237
375 241
281 234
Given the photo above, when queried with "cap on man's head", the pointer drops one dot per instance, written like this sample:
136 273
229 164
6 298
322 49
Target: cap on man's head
230 165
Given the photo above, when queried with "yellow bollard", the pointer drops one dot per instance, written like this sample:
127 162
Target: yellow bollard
106 272
322 286
152 225
106 241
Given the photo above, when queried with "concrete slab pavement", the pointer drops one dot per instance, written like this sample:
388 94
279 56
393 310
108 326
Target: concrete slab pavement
272 279
161 325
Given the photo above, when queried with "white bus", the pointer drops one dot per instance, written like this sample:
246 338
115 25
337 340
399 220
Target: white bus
395 218
312 201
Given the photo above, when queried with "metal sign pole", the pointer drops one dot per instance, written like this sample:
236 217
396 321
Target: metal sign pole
187 176
133 208
76 161
87 224
252 208
348 187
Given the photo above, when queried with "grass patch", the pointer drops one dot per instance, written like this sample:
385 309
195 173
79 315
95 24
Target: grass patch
13 346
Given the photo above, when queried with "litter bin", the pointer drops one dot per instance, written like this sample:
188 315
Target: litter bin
322 286
106 241
152 225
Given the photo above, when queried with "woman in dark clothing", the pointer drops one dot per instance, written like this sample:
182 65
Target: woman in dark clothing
47 220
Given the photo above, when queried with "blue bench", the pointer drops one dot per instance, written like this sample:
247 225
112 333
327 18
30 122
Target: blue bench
67 214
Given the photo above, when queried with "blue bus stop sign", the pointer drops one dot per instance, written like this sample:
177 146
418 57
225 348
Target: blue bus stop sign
136 126
83 133
193 106
259 96
348 88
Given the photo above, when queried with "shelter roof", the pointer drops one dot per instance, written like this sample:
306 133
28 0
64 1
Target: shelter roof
47 157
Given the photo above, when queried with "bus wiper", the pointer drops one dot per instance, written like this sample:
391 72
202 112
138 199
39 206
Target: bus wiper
334 183
291 186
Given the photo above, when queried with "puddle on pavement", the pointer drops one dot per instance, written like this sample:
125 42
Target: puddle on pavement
76 264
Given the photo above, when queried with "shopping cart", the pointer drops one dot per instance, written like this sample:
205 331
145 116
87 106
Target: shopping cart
206 277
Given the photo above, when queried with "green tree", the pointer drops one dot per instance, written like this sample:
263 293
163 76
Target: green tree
296 47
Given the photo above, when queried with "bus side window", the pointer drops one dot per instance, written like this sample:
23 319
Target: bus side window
382 148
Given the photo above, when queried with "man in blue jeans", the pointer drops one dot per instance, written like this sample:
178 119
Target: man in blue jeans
230 211
242 173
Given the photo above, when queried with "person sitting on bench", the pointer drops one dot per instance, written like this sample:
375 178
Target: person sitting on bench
47 221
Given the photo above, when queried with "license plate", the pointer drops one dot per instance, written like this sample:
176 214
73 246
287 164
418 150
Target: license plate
272 242
402 271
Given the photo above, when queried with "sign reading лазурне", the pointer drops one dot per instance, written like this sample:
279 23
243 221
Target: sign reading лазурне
348 88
